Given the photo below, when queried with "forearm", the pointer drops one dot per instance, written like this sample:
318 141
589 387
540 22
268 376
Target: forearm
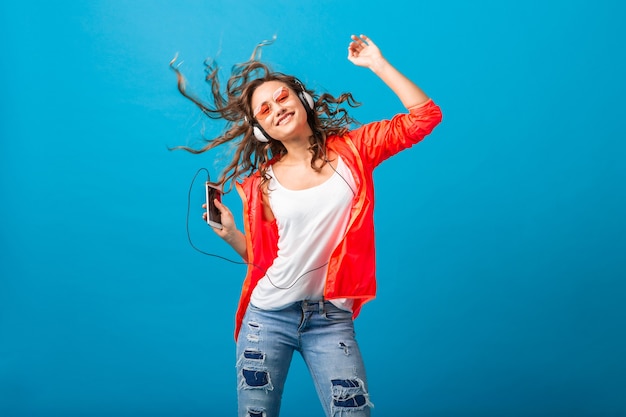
362 51
407 91
237 240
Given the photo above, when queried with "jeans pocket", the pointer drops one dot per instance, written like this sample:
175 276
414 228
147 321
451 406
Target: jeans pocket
332 313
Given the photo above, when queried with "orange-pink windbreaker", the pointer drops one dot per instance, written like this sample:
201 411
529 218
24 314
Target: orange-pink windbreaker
351 270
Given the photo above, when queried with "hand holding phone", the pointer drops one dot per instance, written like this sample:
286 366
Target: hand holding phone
213 215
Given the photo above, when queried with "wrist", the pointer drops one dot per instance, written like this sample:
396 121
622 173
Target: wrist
232 236
379 66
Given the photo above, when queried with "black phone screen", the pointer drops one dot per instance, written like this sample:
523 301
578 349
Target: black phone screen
213 214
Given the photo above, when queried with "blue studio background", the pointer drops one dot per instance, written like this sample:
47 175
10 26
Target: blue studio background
500 237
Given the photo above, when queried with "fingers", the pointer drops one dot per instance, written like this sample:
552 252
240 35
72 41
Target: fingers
356 45
226 219
221 207
361 38
360 41
360 46
224 211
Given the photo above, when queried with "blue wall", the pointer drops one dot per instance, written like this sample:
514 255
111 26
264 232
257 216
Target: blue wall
501 237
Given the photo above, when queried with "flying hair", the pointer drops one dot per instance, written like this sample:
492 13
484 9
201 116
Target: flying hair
233 105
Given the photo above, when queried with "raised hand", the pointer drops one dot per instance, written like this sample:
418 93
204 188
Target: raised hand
363 52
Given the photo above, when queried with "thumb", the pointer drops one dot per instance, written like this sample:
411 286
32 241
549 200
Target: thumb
222 208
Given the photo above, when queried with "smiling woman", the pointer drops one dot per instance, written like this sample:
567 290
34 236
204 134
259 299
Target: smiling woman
307 189
254 147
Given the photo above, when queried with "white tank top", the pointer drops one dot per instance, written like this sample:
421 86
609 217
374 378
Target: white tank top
311 223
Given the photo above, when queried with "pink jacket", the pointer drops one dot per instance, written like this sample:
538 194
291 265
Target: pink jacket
351 271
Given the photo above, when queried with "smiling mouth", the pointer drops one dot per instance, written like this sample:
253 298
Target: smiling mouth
284 119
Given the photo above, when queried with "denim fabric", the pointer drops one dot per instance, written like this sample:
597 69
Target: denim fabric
324 335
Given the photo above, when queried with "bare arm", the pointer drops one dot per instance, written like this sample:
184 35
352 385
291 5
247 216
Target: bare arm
229 231
364 53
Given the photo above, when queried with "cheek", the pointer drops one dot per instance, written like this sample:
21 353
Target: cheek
266 123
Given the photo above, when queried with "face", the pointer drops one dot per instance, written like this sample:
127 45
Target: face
279 111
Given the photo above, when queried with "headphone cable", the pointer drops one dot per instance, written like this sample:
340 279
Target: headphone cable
228 259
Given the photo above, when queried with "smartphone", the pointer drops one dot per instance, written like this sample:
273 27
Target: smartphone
213 215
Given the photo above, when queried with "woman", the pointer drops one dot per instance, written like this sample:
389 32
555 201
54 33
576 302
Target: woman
308 234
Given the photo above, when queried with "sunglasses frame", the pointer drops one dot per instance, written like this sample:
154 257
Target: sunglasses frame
279 96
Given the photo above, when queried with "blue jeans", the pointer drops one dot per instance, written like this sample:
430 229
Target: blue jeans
324 336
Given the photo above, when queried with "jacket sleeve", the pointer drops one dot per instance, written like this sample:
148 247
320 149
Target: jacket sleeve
378 141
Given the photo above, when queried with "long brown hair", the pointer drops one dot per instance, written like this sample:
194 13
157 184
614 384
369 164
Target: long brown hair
234 106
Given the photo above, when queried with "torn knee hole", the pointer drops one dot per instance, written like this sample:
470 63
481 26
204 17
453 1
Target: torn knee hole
253 374
253 354
256 379
255 413
349 393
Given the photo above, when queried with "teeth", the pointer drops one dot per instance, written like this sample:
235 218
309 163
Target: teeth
284 119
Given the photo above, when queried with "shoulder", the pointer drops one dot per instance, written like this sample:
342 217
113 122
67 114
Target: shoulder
250 182
341 144
345 147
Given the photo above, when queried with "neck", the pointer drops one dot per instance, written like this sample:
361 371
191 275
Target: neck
297 150
296 156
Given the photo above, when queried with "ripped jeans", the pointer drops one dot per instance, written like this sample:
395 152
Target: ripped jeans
324 336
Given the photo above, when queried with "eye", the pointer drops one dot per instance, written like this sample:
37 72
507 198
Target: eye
281 95
262 111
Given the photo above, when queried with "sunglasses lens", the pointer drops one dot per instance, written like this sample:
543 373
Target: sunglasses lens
281 95
263 110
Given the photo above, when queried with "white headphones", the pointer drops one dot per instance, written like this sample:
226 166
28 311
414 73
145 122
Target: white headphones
307 102
259 133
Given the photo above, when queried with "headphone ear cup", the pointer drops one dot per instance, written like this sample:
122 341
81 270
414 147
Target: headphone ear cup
258 134
307 100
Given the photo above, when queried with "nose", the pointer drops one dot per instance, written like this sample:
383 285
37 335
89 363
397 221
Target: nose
279 109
